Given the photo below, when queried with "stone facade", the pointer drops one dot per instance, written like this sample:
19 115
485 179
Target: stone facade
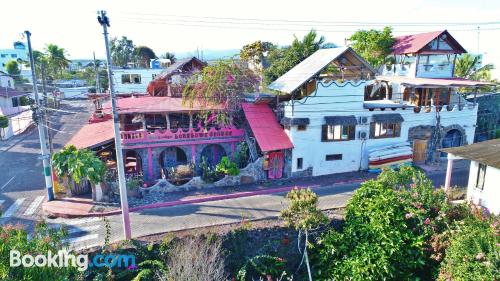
253 172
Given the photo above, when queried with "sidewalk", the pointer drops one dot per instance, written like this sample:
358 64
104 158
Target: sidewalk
81 207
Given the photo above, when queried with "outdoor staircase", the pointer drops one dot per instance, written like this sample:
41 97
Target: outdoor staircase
252 148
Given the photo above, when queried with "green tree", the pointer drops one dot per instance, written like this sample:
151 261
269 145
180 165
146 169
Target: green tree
170 56
373 45
220 88
143 55
304 215
4 123
283 59
254 52
122 51
12 68
466 66
56 60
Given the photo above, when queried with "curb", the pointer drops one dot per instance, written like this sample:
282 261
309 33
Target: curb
189 201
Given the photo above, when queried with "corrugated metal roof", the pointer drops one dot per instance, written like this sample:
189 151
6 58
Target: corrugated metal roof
341 120
388 117
312 65
413 43
486 152
266 129
94 134
148 104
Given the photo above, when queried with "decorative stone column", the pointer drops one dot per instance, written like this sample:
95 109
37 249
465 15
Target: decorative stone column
168 121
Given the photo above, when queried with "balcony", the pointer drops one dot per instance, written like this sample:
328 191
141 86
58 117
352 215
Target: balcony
183 135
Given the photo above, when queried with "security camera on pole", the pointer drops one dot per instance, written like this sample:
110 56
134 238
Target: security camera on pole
38 118
104 22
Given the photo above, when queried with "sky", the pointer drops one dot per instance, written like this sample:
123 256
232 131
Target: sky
183 26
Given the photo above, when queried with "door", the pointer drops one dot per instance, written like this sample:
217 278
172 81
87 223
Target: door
275 165
419 151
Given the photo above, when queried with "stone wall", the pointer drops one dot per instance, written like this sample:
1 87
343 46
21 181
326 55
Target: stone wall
253 172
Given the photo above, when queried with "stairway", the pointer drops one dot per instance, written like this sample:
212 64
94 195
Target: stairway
251 147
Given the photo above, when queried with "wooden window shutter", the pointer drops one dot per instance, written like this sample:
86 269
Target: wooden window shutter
324 132
372 130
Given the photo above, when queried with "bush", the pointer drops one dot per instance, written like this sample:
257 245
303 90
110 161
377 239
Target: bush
474 250
227 167
208 173
387 233
261 266
196 258
43 240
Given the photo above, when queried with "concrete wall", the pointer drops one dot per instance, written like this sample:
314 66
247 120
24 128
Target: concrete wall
146 77
333 99
489 197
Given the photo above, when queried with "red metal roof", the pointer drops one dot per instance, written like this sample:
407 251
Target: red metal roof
444 82
149 104
91 135
266 129
411 44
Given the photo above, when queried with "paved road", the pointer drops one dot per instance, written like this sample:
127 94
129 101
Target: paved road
22 185
90 232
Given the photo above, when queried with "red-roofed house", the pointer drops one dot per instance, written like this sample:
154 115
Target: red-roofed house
159 133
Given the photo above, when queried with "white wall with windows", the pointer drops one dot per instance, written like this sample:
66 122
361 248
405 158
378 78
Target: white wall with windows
18 53
347 99
483 188
134 80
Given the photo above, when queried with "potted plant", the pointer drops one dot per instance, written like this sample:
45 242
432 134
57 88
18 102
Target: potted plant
133 185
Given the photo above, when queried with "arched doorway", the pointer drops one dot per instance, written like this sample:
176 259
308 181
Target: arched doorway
213 154
453 138
174 166
133 163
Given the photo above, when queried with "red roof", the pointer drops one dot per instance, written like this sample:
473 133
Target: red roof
411 44
149 104
266 129
92 135
445 82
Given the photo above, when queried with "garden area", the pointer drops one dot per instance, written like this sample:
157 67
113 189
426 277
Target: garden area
395 227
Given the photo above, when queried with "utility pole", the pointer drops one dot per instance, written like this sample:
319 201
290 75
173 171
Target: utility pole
41 131
104 22
97 82
46 117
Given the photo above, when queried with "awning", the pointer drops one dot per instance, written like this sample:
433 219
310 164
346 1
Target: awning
486 152
433 82
389 117
92 135
266 129
341 120
287 121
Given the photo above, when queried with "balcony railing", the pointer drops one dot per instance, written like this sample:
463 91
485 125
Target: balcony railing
444 70
129 137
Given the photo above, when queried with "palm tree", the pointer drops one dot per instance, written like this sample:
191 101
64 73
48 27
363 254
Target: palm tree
56 58
466 67
170 56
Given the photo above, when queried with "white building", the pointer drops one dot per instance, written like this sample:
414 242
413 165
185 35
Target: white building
484 174
11 106
72 88
340 118
134 80
18 53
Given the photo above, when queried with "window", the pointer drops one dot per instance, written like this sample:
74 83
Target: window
3 55
379 130
15 102
300 162
13 56
301 127
131 79
333 157
481 174
338 132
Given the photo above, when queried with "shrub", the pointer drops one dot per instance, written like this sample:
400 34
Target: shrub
196 258
208 174
43 239
261 266
388 228
227 167
474 250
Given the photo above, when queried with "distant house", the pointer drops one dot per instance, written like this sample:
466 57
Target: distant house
484 175
72 88
172 80
135 81
11 105
18 53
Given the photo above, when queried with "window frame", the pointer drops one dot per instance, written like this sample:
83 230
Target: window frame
481 176
396 130
333 157
351 133
301 128
131 80
300 163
